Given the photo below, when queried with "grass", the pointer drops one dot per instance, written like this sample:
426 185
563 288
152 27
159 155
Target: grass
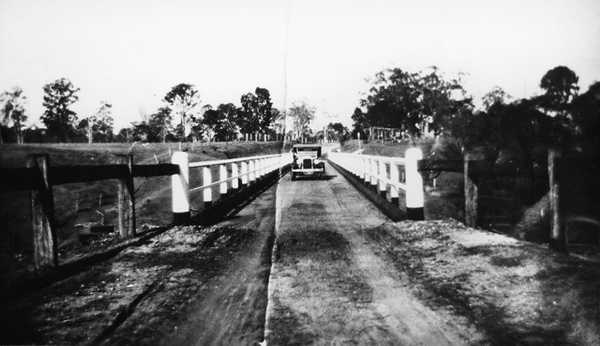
78 205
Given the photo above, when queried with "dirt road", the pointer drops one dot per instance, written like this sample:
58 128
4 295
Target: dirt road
330 284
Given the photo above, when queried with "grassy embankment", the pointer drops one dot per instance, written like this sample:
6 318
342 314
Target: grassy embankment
78 205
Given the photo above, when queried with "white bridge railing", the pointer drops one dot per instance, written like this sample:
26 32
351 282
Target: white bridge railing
230 175
388 175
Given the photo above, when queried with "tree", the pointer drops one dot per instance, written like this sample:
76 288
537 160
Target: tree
99 126
58 117
585 109
560 85
160 124
264 108
417 103
256 114
183 99
248 120
12 109
360 123
337 131
495 96
302 114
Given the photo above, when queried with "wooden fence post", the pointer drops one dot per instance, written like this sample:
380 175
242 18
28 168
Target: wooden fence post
471 195
558 240
415 198
180 194
126 201
45 252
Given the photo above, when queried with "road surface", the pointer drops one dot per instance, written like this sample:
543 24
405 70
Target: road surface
329 284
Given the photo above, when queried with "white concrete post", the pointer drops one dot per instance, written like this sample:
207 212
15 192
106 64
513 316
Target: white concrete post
252 168
207 191
234 175
373 164
365 169
382 179
180 195
395 178
244 173
222 177
414 185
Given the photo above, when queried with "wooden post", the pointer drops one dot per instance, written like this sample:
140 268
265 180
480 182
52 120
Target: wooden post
126 201
558 240
471 195
45 251
180 195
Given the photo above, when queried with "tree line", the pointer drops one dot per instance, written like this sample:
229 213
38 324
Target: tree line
181 117
428 104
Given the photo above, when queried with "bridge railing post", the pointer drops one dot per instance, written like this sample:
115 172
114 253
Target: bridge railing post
382 177
207 191
252 170
373 165
180 195
244 168
235 174
223 178
395 178
414 185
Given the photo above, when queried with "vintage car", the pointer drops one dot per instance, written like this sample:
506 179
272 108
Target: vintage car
307 161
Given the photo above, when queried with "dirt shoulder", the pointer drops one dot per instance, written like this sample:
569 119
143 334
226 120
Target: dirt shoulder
516 292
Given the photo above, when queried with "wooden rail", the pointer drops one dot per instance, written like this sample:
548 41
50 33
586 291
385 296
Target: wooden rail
39 177
385 173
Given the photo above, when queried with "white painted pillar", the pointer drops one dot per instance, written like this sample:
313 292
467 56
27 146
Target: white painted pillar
373 164
395 178
251 168
234 175
207 191
414 185
382 177
222 177
244 173
180 195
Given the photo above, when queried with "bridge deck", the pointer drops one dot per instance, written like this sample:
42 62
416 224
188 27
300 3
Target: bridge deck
330 284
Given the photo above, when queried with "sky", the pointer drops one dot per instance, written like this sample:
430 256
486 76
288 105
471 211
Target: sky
130 53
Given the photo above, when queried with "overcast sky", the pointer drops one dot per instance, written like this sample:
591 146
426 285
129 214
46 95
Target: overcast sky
131 52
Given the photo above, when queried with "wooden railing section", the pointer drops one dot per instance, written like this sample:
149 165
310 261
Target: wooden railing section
39 177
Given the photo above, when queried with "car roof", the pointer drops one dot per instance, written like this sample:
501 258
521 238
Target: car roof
306 146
